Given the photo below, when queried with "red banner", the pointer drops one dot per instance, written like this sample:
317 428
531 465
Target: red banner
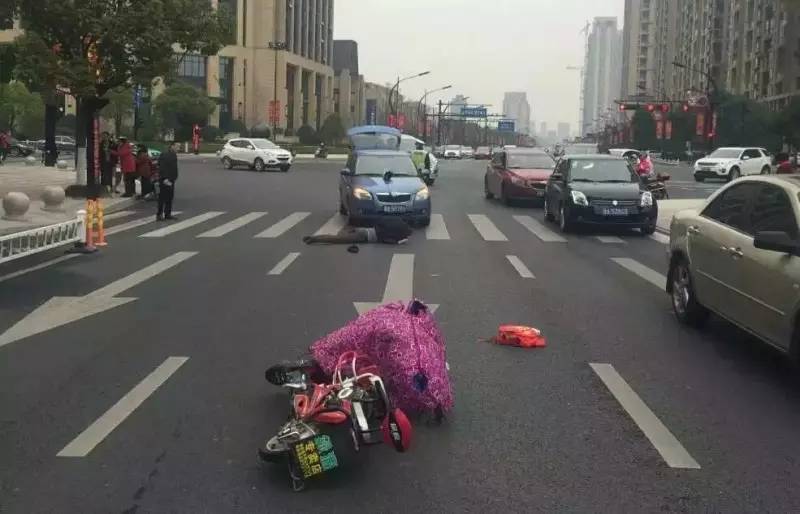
401 121
391 120
274 111
96 148
700 129
668 129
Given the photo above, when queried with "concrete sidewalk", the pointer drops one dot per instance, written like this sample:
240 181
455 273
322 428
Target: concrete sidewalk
32 180
668 208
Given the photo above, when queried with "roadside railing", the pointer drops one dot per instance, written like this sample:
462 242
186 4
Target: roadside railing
29 242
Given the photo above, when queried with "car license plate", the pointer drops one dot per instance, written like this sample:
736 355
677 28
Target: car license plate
707 168
615 212
394 209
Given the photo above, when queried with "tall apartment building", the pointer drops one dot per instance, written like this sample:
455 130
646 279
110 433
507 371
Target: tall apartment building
650 37
762 60
349 92
602 73
702 39
516 107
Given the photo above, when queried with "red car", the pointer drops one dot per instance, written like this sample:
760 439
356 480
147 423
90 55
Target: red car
518 174
784 164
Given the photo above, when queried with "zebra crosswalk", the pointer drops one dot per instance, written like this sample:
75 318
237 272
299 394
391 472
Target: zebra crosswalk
495 228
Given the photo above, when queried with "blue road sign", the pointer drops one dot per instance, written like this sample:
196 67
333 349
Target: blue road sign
473 112
505 126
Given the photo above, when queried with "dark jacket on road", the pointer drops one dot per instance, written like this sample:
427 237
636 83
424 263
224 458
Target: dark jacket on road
168 166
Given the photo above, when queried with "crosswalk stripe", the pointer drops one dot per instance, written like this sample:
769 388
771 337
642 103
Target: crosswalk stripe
118 214
284 263
437 230
485 227
284 225
610 240
661 238
233 225
652 276
119 412
133 224
183 225
539 230
523 270
332 226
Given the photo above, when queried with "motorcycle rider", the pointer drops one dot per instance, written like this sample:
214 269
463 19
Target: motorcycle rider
322 151
645 166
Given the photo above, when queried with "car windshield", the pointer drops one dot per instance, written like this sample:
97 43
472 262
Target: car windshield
530 161
375 141
264 144
378 165
453 147
600 171
725 153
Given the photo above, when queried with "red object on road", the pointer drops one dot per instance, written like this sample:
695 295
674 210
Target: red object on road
522 336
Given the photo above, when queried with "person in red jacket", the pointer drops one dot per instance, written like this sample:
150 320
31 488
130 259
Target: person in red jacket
127 164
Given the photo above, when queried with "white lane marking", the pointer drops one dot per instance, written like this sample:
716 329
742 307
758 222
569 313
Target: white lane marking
523 270
437 230
183 225
611 240
118 214
400 282
116 229
661 238
671 450
539 230
652 276
285 263
111 419
284 225
38 267
332 226
146 273
487 229
233 225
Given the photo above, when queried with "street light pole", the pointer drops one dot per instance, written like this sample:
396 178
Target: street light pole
712 95
396 90
421 106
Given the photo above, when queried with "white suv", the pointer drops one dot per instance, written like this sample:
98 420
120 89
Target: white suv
257 154
731 163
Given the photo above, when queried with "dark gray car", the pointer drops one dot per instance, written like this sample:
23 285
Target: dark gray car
381 183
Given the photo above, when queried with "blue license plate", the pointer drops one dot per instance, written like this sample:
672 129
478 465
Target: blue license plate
394 209
615 211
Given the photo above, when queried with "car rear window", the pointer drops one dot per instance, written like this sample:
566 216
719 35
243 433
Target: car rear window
529 161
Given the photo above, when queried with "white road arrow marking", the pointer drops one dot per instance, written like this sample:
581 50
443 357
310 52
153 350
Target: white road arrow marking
61 310
399 284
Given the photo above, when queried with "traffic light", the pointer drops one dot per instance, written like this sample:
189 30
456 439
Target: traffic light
628 107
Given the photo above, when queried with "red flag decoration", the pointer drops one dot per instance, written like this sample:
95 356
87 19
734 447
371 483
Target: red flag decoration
391 120
668 130
401 121
700 128
274 111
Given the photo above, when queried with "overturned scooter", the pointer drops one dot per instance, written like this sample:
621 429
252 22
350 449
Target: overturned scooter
355 401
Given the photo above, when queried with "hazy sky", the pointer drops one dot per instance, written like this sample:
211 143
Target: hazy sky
482 47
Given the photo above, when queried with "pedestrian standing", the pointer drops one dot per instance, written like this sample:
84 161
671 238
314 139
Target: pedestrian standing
127 164
144 168
106 162
168 174
4 146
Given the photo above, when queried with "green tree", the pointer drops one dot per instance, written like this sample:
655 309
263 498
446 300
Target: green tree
644 130
119 108
332 130
18 105
786 124
91 47
307 135
180 106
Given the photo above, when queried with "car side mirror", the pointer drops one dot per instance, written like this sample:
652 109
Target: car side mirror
556 176
346 172
776 241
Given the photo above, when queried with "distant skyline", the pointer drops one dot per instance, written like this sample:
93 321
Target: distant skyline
507 45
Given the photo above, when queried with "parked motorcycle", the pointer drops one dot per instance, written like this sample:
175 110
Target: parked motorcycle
657 186
355 401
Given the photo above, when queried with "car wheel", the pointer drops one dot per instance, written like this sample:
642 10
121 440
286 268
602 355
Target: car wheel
766 170
564 222
227 163
504 196
548 216
285 169
342 209
734 174
489 195
698 179
649 229
684 300
425 222
258 165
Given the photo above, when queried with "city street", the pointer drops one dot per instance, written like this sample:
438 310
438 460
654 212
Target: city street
132 380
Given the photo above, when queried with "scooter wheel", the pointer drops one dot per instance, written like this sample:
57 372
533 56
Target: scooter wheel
273 451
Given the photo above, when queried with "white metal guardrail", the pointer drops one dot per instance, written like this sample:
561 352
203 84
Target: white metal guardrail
29 242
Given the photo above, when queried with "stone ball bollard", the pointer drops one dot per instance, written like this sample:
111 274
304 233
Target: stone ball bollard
61 164
53 198
15 206
30 160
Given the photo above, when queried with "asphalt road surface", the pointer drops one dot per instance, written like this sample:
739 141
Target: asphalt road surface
131 381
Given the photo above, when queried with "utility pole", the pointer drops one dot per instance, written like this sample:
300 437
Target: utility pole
275 109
